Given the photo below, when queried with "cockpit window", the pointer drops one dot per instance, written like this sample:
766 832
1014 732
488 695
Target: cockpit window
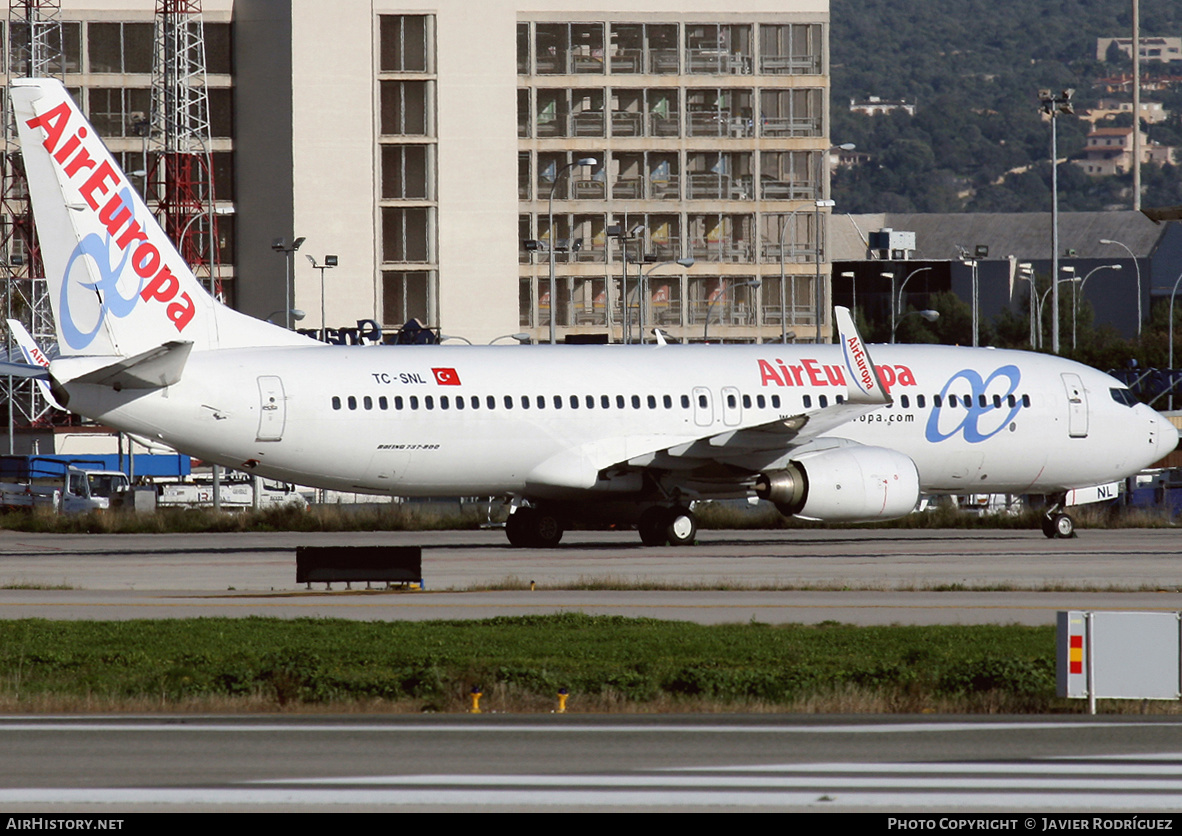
1123 396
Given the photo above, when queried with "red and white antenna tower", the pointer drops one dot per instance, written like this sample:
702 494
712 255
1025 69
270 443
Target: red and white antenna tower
180 171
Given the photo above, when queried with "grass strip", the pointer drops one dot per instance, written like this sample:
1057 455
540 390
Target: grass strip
608 663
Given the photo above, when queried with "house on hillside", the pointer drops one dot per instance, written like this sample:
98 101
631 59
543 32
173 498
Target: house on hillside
1163 50
1152 113
1110 151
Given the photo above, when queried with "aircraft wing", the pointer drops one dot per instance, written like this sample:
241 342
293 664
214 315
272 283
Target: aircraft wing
738 450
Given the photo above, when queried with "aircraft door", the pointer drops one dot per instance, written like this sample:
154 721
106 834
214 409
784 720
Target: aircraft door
732 407
272 409
1077 406
703 407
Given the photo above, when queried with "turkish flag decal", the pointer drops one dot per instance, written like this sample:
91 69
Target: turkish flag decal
446 377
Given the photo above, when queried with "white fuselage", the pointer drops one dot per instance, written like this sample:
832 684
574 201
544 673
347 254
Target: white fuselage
390 419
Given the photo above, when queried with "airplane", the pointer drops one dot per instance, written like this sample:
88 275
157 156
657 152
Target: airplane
630 434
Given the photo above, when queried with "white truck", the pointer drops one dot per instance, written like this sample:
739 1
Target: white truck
75 491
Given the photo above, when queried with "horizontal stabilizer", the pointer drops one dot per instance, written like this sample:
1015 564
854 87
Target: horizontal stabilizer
24 370
154 369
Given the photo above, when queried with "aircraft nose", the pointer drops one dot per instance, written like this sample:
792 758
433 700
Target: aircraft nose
1167 434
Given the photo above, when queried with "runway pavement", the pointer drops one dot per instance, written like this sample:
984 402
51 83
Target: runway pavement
857 576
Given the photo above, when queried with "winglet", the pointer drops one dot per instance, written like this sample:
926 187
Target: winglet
865 385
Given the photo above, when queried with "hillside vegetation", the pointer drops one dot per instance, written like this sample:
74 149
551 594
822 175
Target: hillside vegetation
977 143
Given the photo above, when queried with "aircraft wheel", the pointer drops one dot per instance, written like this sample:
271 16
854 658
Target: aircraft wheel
1058 526
652 526
547 531
681 528
1064 526
518 527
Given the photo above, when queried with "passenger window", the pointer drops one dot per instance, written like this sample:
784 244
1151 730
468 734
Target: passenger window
652 402
398 402
574 401
491 402
605 401
936 399
459 402
997 401
367 402
414 402
685 403
1011 401
636 401
444 402
808 401
508 401
558 401
590 401
952 400
702 401
746 402
1026 400
730 401
383 403
841 399
760 401
775 401
668 402
904 401
822 401
981 401
352 402
336 402
429 402
476 402
619 401
541 401
525 401
919 401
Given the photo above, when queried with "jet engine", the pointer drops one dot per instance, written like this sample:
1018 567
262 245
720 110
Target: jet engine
844 484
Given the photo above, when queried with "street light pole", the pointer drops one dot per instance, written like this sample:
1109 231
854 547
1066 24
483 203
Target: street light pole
553 285
1078 291
721 293
897 303
280 245
1137 267
1171 362
330 261
642 286
1053 105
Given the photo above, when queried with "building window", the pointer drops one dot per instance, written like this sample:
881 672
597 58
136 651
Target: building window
406 234
120 47
568 48
788 113
406 108
406 296
790 48
69 44
405 172
718 49
404 47
117 112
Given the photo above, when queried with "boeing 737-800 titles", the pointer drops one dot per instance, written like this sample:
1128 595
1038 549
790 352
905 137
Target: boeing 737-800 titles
627 433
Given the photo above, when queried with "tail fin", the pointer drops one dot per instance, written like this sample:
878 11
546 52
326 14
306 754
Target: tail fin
116 283
33 355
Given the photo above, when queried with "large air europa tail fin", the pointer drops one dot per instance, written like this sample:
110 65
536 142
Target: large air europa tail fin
117 284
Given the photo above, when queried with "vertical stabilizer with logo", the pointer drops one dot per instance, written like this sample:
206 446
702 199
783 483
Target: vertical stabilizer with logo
117 284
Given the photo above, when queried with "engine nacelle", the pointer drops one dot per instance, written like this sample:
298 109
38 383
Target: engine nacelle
845 484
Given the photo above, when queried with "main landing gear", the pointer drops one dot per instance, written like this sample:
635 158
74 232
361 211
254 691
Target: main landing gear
1056 524
659 526
542 526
